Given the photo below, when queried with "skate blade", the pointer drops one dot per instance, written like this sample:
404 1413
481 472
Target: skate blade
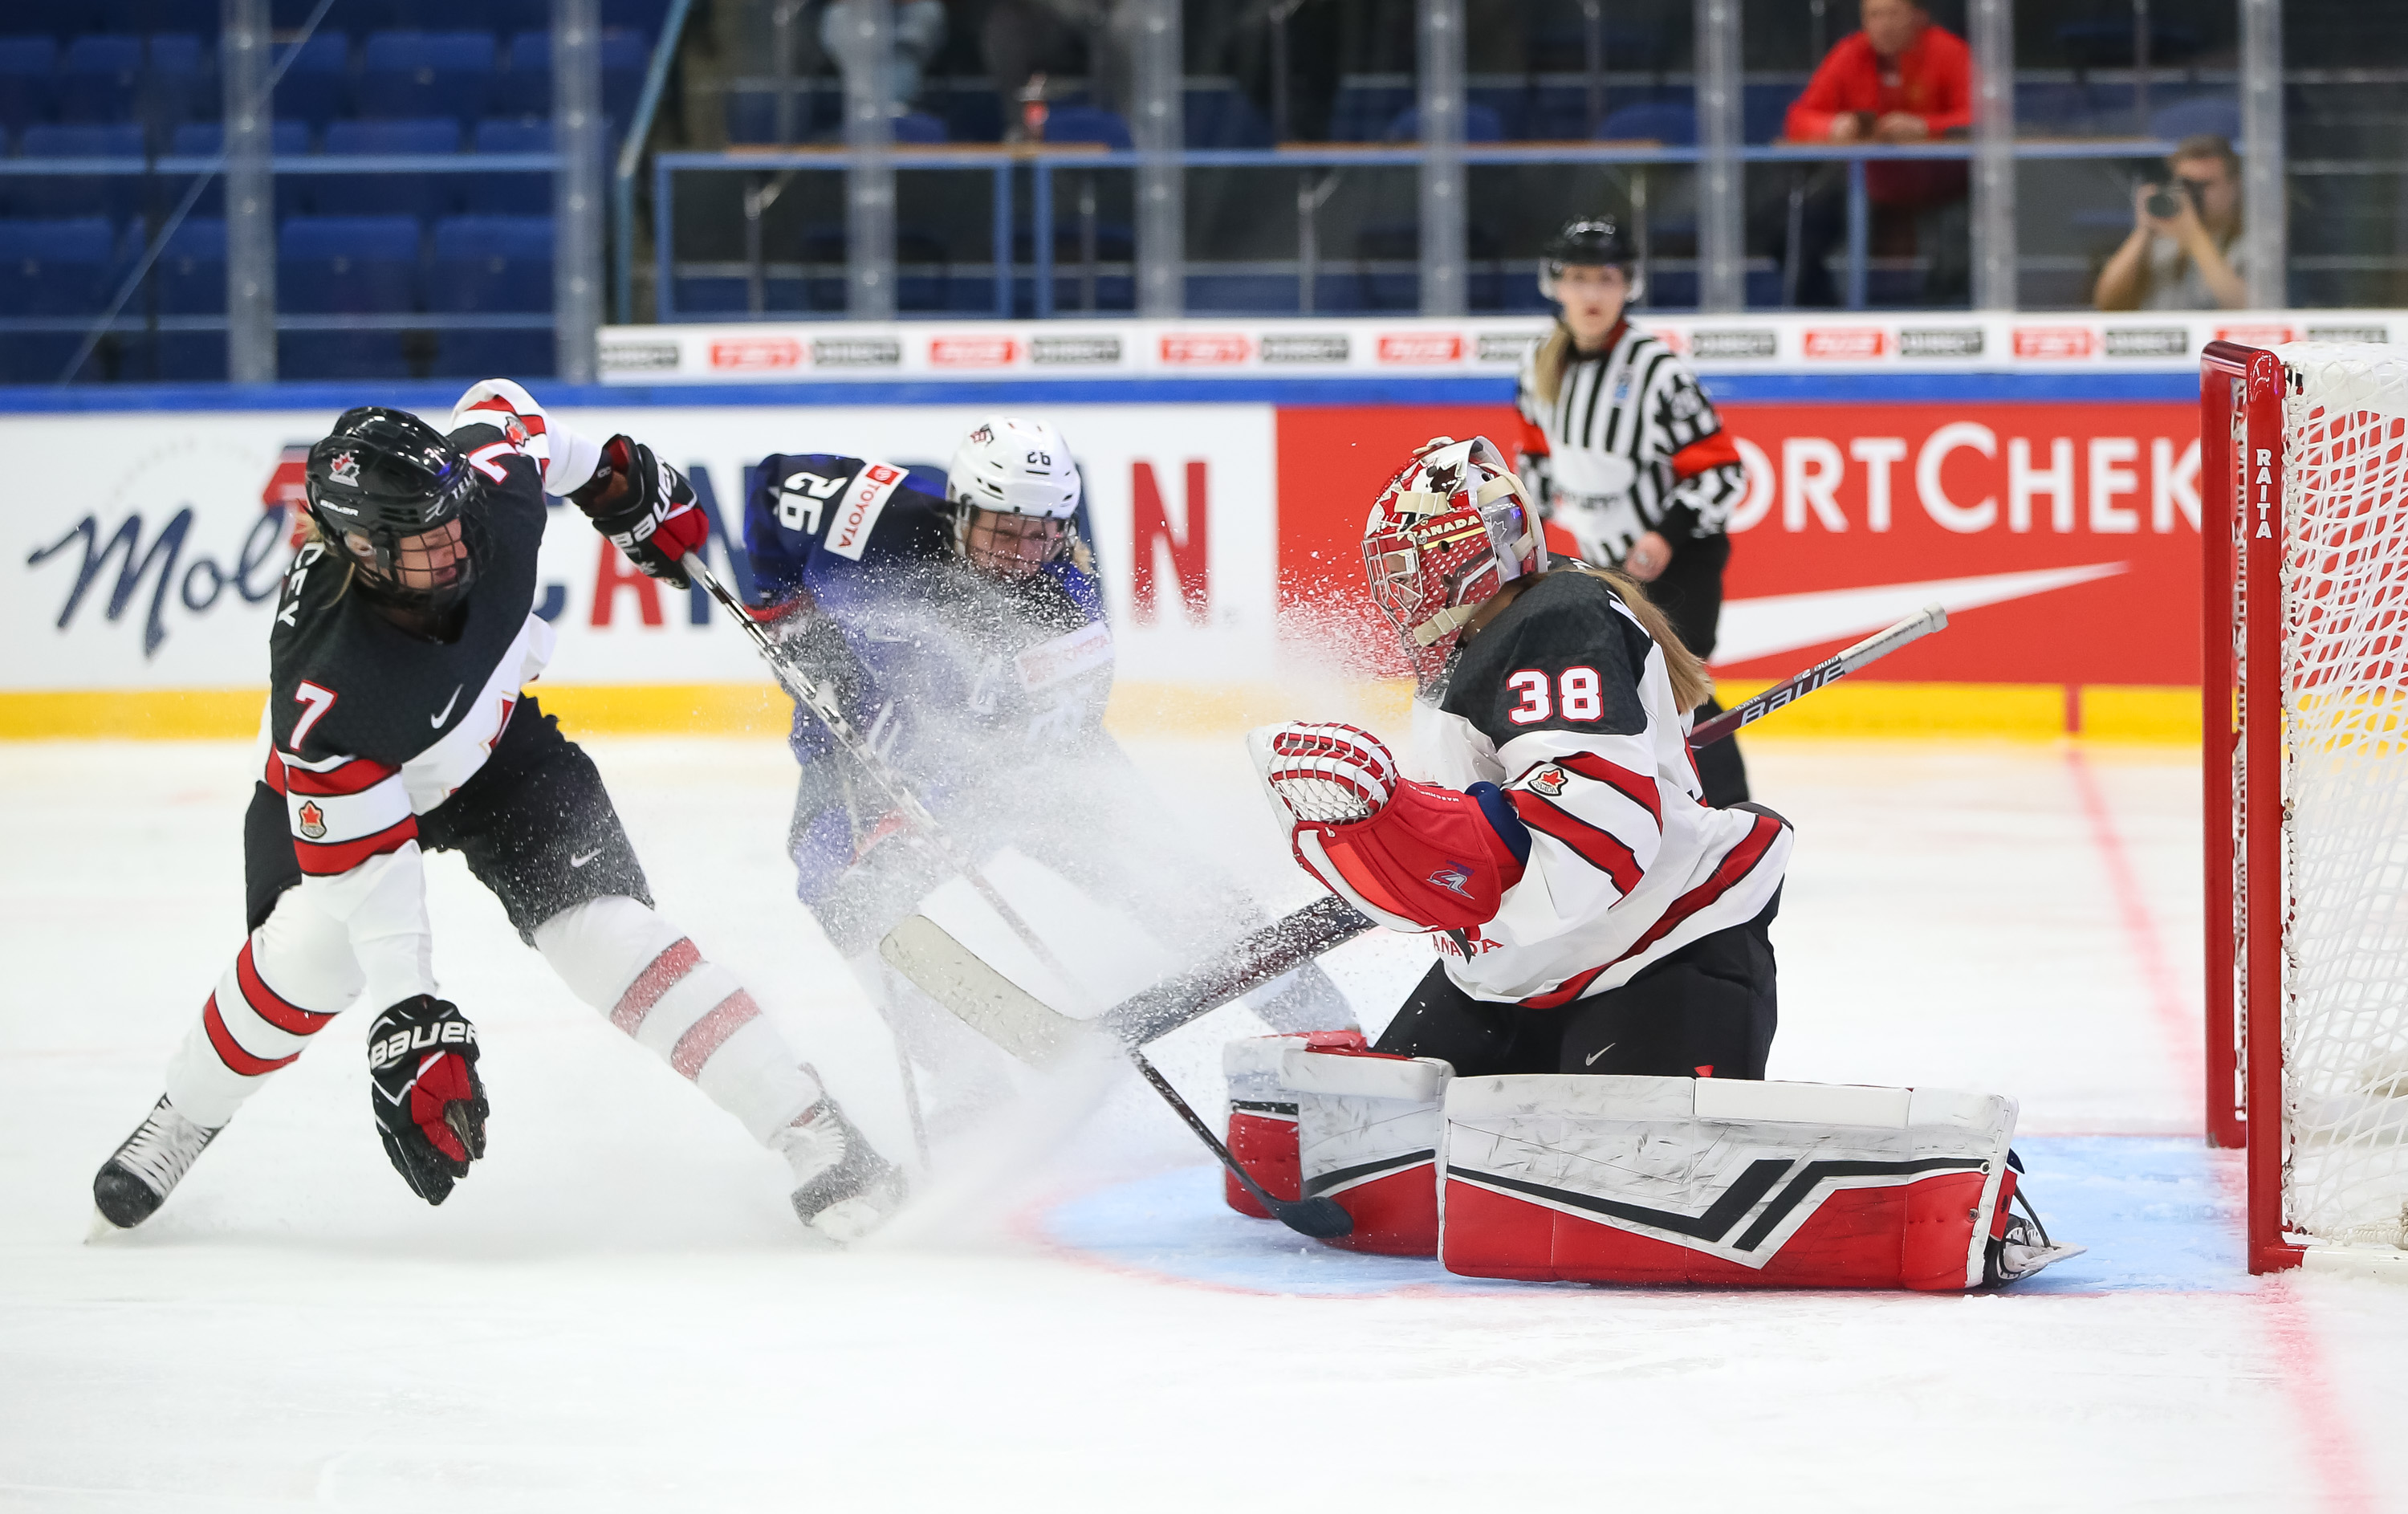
103 1229
848 1220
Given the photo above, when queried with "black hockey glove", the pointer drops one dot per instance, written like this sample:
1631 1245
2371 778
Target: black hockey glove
430 1104
652 518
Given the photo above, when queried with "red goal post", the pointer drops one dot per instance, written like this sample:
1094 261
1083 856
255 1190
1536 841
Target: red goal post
2303 470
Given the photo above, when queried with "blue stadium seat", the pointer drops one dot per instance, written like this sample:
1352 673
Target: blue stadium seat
1365 104
387 194
190 276
491 263
1087 124
56 267
406 75
1653 121
317 87
1510 104
76 194
1763 109
2212 115
509 193
98 77
525 89
179 85
347 265
919 127
1480 125
27 66
1222 117
207 138
644 16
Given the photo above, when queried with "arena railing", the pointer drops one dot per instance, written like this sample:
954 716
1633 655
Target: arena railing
1044 163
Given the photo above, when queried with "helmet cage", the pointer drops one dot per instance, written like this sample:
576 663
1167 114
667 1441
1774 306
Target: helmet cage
1447 534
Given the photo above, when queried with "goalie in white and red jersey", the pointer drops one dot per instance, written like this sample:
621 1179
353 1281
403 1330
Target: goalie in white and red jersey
396 723
1594 915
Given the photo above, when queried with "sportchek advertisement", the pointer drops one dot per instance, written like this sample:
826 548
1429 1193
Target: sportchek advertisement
146 548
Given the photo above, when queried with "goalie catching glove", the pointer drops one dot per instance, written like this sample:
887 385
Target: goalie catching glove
430 1104
652 518
1412 856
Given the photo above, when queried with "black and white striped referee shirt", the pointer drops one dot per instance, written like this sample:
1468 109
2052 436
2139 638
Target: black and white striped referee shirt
1630 444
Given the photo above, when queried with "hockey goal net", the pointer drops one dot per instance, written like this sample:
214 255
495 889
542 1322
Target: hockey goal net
2305 451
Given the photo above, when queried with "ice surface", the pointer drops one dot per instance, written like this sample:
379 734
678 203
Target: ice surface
618 1311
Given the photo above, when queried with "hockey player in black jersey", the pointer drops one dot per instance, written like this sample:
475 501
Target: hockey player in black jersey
397 723
1593 913
965 636
1630 464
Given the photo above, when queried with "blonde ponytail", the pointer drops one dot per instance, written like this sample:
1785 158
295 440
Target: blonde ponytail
1692 686
1547 367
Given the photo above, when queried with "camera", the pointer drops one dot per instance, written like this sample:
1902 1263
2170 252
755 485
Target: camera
2164 204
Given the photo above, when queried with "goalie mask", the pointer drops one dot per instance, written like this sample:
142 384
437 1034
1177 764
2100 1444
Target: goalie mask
1447 534
393 497
1014 489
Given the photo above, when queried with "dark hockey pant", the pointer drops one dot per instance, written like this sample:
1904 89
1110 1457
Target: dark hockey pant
1708 1010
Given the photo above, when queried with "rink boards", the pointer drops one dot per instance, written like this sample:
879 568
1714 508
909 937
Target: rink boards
2057 516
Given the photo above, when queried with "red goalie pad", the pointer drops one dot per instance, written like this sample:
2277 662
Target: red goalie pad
1323 1116
1723 1182
1429 860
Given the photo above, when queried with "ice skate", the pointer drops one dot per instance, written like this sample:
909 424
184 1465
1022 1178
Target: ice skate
2023 1250
131 1184
843 1188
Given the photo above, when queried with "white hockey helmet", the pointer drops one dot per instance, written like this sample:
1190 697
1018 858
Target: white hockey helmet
1014 466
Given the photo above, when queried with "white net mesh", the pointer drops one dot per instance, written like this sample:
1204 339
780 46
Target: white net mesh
2345 790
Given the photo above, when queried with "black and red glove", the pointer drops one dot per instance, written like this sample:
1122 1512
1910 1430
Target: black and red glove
646 507
430 1104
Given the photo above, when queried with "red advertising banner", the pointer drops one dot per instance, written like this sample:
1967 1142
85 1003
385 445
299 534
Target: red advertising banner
2063 537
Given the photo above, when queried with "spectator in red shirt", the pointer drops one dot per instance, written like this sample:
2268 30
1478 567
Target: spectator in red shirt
1901 79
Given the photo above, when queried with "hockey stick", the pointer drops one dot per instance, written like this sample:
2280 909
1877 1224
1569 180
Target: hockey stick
1931 617
1023 1025
822 705
1031 1029
1329 1220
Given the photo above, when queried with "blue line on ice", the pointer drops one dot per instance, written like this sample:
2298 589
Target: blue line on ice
2154 1211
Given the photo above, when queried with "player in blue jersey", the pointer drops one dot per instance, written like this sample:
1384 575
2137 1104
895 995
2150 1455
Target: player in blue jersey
965 637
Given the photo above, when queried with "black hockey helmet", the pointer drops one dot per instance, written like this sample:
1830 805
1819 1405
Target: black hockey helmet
1586 242
389 479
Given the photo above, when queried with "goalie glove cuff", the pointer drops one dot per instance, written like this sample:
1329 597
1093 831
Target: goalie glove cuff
1431 860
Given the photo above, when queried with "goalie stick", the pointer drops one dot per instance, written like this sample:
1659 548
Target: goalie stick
1931 617
1031 1029
1023 1025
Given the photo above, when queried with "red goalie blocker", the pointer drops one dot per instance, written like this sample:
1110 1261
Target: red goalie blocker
1323 1115
1723 1182
1429 860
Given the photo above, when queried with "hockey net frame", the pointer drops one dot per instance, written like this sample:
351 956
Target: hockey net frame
2303 452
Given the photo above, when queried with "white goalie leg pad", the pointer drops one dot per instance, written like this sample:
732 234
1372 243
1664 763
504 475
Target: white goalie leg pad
1367 1131
636 967
1721 1181
295 973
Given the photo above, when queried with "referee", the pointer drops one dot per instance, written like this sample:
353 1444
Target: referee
1626 456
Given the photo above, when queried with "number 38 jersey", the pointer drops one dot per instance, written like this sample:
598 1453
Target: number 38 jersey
369 727
1564 703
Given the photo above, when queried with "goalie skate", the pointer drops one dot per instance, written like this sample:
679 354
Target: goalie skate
844 1189
131 1184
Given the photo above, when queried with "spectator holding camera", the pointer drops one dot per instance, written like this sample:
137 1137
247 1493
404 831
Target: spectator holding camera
2184 251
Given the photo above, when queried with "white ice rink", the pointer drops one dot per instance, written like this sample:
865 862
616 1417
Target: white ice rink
618 1311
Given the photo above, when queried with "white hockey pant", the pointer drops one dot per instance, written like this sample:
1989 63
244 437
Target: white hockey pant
297 972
